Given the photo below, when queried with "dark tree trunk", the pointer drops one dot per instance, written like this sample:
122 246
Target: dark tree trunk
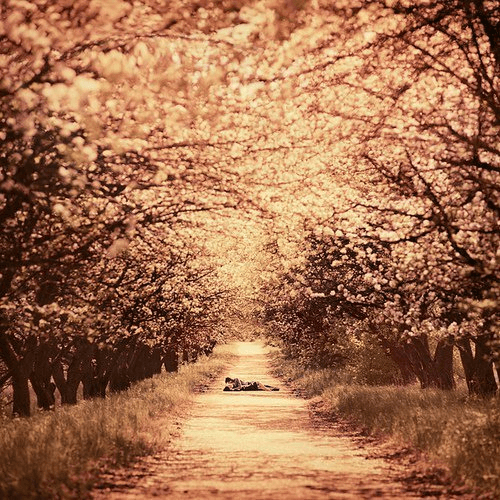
40 378
68 385
120 379
148 360
88 371
421 363
61 383
20 370
431 371
45 397
400 358
171 360
156 361
74 377
105 362
443 363
96 364
21 393
483 377
478 367
138 363
209 348
467 358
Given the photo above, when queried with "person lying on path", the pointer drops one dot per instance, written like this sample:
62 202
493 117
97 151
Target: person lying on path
235 384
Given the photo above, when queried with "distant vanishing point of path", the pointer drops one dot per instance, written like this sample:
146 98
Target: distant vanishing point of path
256 446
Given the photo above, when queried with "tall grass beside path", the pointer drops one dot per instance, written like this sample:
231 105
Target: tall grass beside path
455 431
58 454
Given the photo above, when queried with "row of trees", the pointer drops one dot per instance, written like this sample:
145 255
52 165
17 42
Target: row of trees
104 169
344 295
409 259
127 128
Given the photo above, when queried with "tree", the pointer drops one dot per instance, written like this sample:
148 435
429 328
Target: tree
414 90
89 163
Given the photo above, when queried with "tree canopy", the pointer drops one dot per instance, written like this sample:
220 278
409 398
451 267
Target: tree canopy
149 150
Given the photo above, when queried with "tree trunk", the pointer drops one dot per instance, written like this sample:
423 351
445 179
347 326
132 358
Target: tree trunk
484 379
443 364
156 361
171 360
467 358
20 370
96 370
431 371
61 384
478 367
105 360
21 394
40 378
74 378
68 385
119 379
138 365
400 358
421 363
88 370
45 398
209 348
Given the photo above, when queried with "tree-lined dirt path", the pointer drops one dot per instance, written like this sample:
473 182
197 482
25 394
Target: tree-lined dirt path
256 445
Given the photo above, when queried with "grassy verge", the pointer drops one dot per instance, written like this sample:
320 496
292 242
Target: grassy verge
58 455
461 433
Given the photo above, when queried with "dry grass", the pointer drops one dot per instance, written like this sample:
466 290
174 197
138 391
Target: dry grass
57 455
461 433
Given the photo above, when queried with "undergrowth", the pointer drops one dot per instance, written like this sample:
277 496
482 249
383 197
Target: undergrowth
459 432
59 454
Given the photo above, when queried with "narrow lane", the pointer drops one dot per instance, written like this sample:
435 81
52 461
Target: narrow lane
256 446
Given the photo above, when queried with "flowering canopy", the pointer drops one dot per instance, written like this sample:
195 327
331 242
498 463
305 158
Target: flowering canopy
138 140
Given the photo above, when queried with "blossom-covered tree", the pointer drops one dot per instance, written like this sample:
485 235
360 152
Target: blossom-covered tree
135 135
104 152
410 93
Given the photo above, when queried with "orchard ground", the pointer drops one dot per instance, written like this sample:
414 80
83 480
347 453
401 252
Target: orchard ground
59 454
263 445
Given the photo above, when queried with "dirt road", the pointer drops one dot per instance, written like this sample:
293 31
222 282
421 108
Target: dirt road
255 446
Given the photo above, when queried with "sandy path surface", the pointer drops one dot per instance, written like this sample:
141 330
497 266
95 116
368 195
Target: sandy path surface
255 446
